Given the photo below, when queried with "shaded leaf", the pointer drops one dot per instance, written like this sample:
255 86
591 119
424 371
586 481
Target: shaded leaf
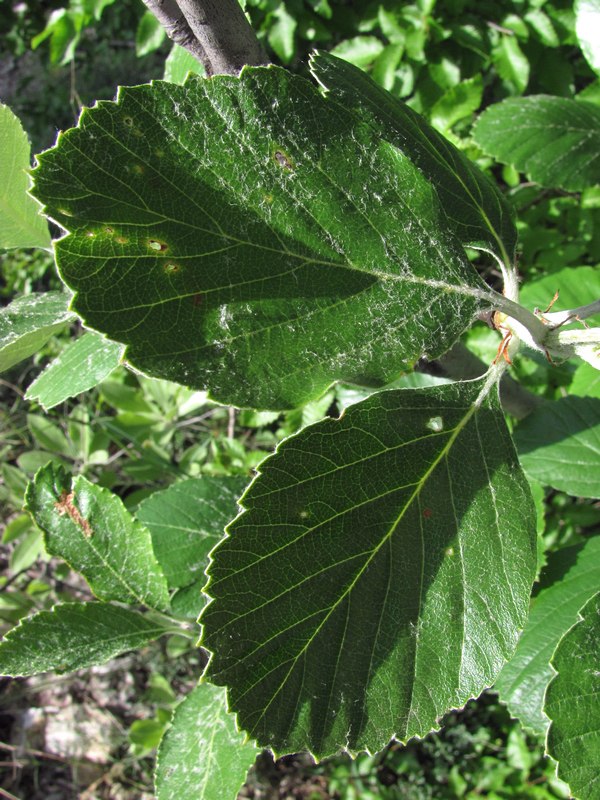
21 224
477 211
186 521
554 140
352 599
81 366
73 636
28 322
559 445
570 578
90 528
202 755
573 705
576 286
512 64
254 237
149 35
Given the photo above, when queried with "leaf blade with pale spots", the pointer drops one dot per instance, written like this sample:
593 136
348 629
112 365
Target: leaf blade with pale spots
250 236
352 599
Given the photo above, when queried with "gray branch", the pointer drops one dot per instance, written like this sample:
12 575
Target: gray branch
215 32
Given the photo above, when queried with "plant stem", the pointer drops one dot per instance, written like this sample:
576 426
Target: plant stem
215 32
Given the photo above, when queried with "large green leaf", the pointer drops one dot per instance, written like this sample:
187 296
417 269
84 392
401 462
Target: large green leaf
203 756
28 322
81 365
21 224
559 445
73 636
571 577
92 530
379 575
554 140
573 705
249 235
186 521
477 211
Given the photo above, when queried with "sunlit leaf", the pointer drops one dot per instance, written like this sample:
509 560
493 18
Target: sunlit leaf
73 636
202 755
570 578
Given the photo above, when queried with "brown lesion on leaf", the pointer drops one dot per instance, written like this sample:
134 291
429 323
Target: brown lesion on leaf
65 505
283 159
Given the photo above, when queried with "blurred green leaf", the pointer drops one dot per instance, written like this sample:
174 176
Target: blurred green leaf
21 221
150 34
554 140
511 63
573 707
570 578
179 64
81 365
559 445
28 322
587 27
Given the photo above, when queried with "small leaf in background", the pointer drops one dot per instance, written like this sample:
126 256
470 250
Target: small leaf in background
360 51
459 102
573 705
576 286
352 600
179 64
587 28
203 755
149 36
73 636
186 521
281 33
89 528
512 64
64 31
244 287
570 578
586 382
28 322
82 365
21 221
542 25
559 445
554 140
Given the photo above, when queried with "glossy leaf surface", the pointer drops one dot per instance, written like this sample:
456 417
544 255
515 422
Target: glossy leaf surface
186 521
90 528
28 322
21 224
553 140
81 366
251 236
571 577
202 755
471 202
559 445
73 636
352 599
573 705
